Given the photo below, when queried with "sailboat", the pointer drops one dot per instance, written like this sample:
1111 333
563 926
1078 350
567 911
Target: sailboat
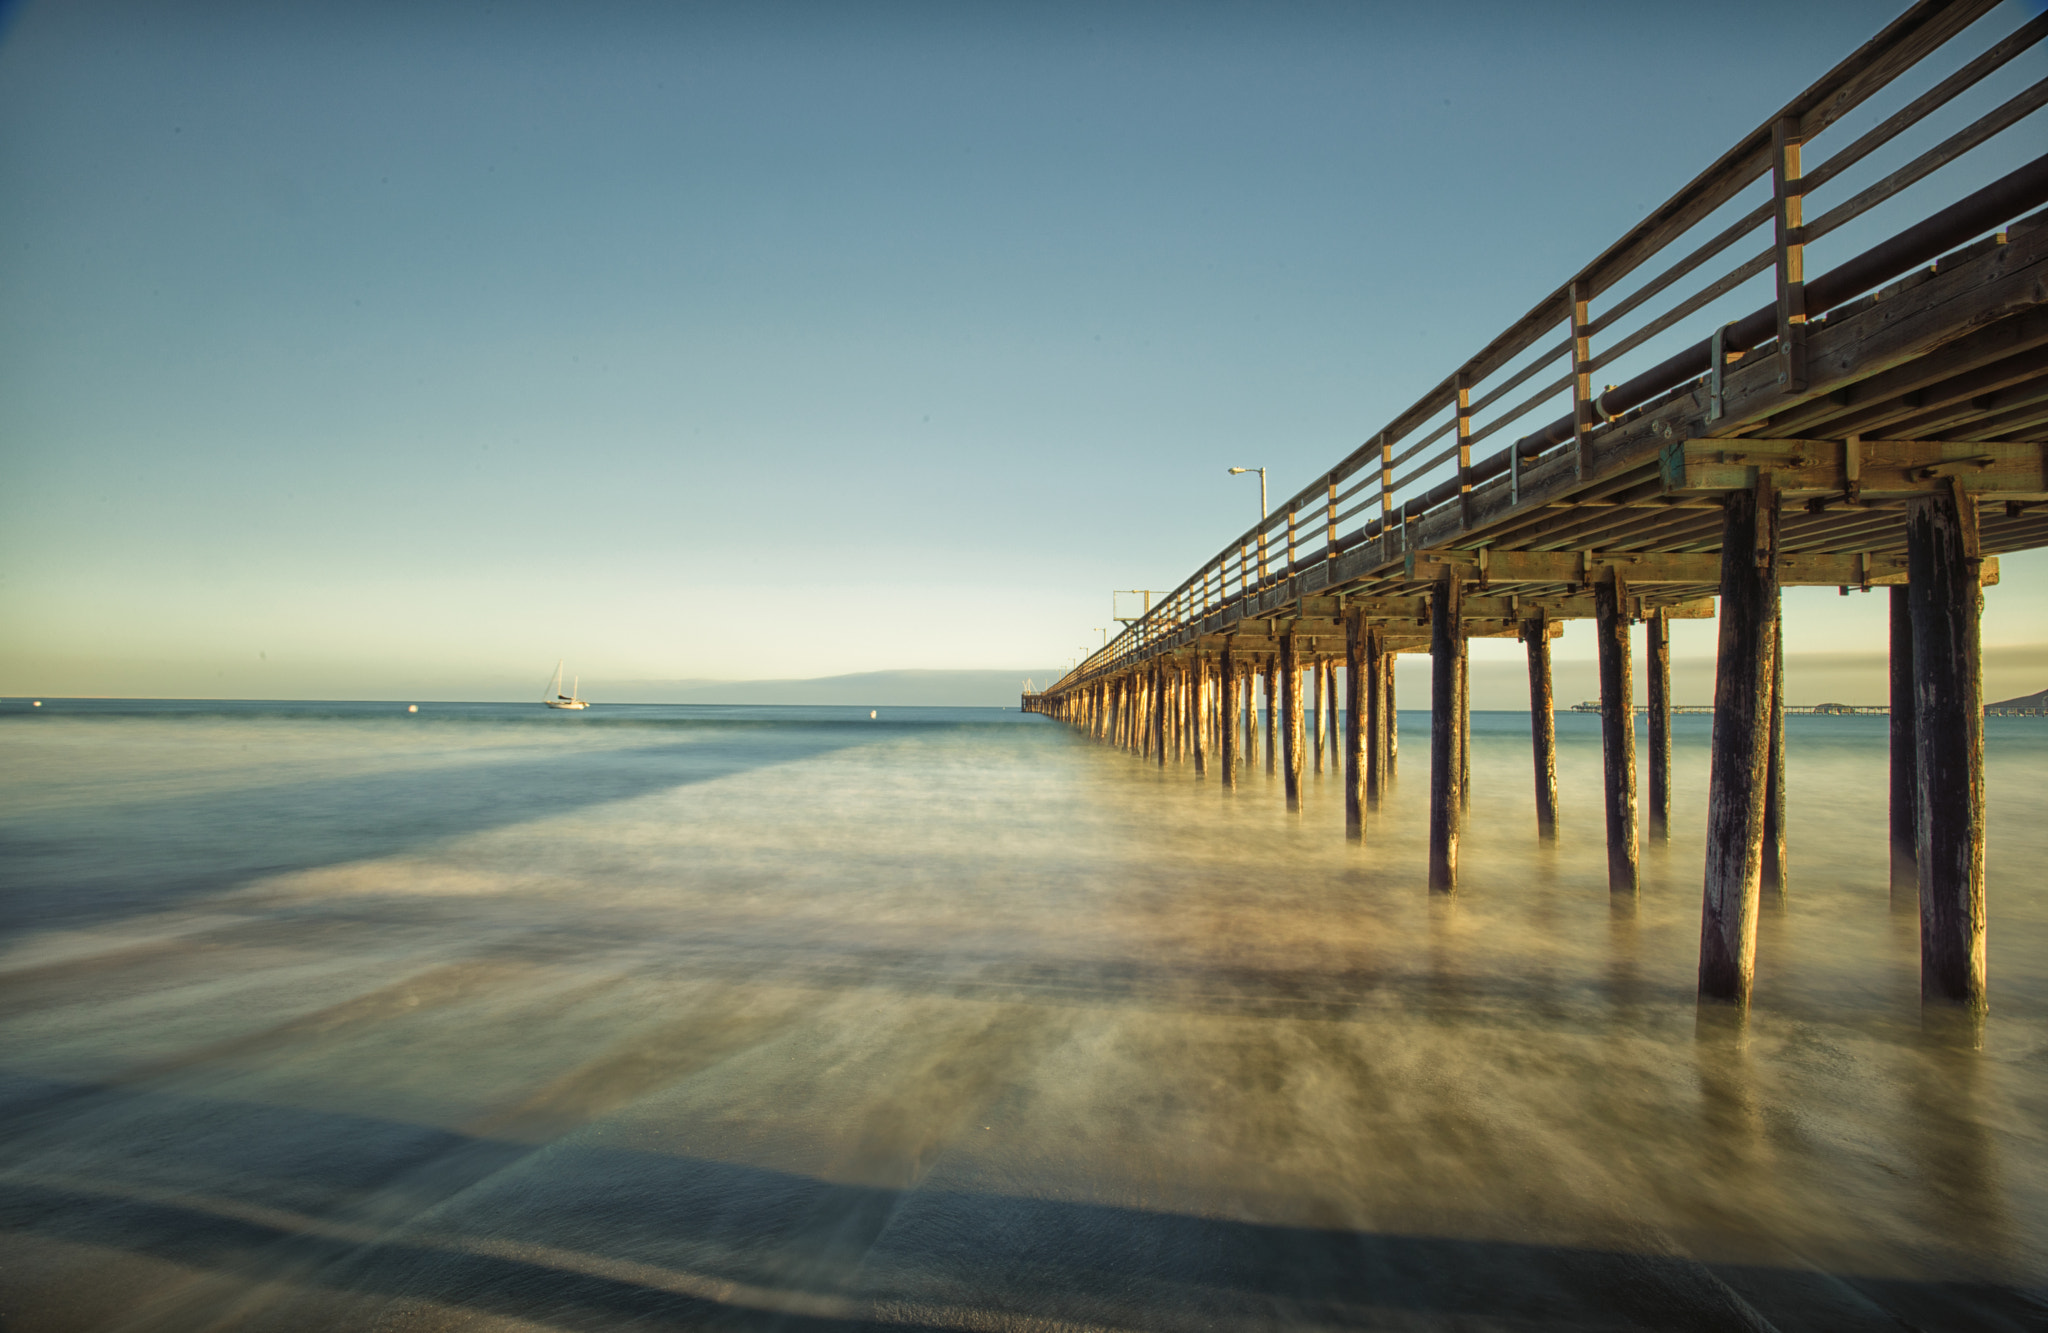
554 698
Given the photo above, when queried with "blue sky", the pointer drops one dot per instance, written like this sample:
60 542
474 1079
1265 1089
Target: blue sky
357 349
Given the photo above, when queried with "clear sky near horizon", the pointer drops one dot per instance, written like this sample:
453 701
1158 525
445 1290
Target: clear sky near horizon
370 349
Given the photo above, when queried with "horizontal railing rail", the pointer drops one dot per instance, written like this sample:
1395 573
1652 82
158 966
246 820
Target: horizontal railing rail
1422 459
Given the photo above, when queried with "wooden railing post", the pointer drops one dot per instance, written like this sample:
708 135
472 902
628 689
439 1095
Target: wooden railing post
1290 540
1386 481
1330 520
1464 406
1582 378
1788 231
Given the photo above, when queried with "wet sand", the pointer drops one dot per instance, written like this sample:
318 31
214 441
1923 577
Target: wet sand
953 1020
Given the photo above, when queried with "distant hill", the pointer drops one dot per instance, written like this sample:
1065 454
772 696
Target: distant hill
2038 699
894 689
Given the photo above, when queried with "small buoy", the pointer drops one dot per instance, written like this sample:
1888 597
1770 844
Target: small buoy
412 708
39 703
871 712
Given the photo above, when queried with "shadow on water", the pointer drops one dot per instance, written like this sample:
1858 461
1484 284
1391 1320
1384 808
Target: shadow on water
112 860
384 1210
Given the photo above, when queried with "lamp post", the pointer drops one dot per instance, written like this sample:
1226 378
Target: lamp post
1262 486
1262 515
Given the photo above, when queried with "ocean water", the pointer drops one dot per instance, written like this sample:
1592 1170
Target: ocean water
330 1016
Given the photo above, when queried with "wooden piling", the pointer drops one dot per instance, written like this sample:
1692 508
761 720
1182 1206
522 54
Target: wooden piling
1315 671
1393 716
1741 745
1905 774
1942 564
1446 631
1198 711
1379 670
1775 869
1162 714
1617 733
1464 722
1335 727
1272 717
1542 724
1354 732
1226 726
1657 650
1290 723
1251 717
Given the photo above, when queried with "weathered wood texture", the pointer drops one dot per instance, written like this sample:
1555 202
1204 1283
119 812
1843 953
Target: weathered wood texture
1445 801
1335 724
1657 653
1355 737
1617 736
1272 718
1948 711
1227 722
1542 726
1379 670
1741 747
1290 723
1905 764
1776 870
1319 708
1199 716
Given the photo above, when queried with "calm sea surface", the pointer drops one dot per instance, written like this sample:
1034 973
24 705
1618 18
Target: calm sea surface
327 1016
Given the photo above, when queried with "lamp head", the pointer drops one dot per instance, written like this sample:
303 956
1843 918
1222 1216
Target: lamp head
1234 471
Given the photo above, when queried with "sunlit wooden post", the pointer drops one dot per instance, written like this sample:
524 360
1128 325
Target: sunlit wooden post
1198 710
1446 631
1378 666
1617 732
1290 725
1775 870
1788 244
1272 719
1542 723
1943 561
1657 648
1315 668
1905 764
1226 701
1354 729
1742 740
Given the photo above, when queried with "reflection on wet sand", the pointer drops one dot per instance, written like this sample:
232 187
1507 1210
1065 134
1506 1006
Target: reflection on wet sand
979 1026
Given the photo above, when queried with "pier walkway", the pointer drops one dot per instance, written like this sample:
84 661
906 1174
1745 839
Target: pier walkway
1877 422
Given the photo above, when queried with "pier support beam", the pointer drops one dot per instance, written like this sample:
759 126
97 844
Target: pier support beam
1657 649
1464 722
1226 728
1617 734
1335 726
1942 560
1354 731
1272 718
1446 639
1741 748
1162 716
1379 715
1905 774
1251 716
1542 724
1321 710
1393 716
1290 722
1198 714
1775 868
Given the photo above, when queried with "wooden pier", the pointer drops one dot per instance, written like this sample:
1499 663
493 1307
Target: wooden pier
1879 423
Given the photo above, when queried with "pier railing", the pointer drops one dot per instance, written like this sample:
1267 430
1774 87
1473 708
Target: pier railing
1939 157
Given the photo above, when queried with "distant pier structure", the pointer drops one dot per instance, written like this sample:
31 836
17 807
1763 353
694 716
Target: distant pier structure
1878 421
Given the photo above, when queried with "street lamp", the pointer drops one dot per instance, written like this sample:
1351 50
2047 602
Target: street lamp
1262 487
